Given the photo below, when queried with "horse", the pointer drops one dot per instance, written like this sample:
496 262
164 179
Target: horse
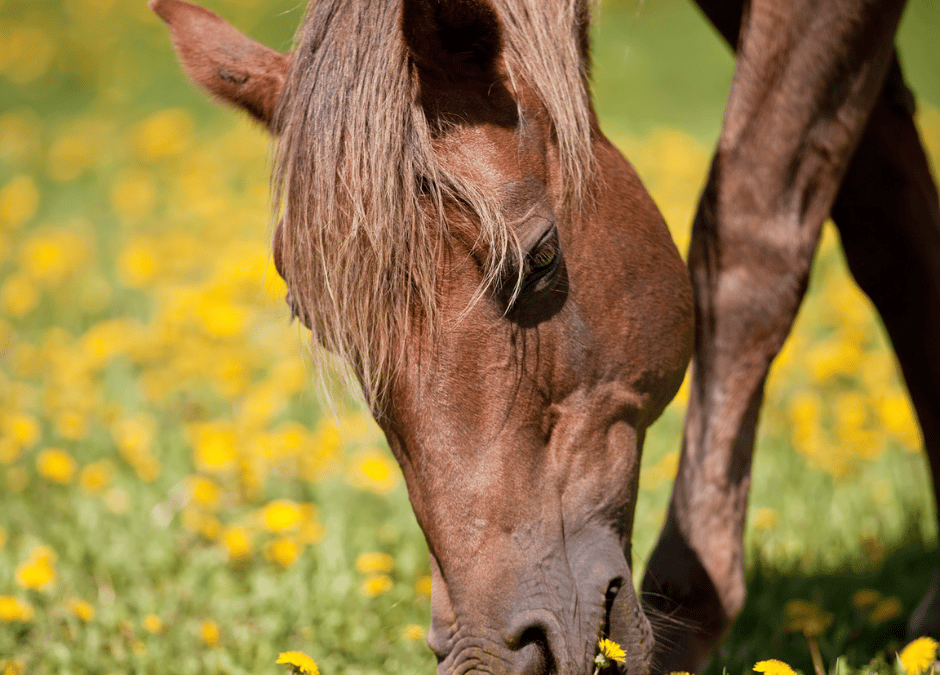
453 224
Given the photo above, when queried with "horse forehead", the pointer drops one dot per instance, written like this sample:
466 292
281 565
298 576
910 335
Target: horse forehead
492 155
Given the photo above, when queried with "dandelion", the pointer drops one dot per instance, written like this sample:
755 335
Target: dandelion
153 623
96 476
12 609
374 471
413 632
19 201
609 651
865 599
281 515
300 663
375 563
918 655
82 609
886 610
284 552
19 295
37 572
376 585
773 667
237 543
209 631
56 465
423 585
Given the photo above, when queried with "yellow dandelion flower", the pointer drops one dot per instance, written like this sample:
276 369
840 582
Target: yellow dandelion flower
3 536
56 465
12 609
72 425
608 652
96 476
82 609
137 264
38 571
284 552
133 194
806 617
680 672
886 610
209 631
19 201
414 632
19 295
23 429
281 515
214 446
138 647
773 667
164 134
375 563
865 599
918 655
375 471
153 623
300 663
12 667
237 542
765 519
423 585
376 585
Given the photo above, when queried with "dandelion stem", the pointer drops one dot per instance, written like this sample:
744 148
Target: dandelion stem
814 652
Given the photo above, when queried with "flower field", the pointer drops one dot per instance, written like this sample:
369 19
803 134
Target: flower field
175 498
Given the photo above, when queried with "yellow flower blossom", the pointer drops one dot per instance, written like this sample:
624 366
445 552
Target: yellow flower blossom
164 134
38 571
209 631
375 563
806 617
773 667
133 194
281 515
375 471
865 599
96 476
153 623
918 655
214 446
23 429
237 543
300 663
82 609
886 610
56 465
19 295
19 201
12 609
423 585
607 652
414 632
765 519
376 585
284 552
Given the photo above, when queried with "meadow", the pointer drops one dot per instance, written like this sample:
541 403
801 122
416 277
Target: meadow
174 495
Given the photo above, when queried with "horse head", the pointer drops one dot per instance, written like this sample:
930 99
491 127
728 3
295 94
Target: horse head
456 226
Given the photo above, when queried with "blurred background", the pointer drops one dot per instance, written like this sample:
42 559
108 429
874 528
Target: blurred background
173 496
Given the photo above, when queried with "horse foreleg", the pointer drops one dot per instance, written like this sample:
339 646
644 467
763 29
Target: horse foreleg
808 75
888 216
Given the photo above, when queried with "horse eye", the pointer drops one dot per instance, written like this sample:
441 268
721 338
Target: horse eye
540 261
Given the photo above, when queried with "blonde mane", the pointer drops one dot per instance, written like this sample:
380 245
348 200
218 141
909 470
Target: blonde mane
356 175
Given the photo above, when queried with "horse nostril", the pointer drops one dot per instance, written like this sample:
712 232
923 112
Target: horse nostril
532 655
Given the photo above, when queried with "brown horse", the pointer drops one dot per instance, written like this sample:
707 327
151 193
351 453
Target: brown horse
454 225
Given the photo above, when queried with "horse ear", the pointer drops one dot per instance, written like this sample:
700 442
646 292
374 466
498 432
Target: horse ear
452 39
231 66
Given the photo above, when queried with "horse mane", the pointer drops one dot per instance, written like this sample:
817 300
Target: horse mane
359 190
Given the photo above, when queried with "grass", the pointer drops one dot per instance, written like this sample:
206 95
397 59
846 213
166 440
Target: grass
207 509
